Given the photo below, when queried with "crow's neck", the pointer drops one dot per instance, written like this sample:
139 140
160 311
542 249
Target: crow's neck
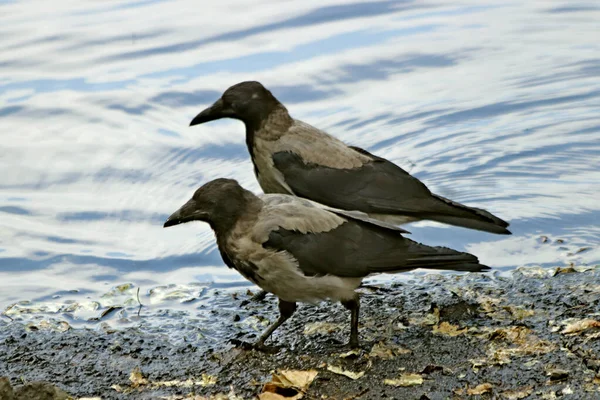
235 213
269 127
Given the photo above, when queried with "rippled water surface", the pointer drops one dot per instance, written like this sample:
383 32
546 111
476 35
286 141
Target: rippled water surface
493 104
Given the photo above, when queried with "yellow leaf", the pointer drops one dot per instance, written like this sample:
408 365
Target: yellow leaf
387 351
351 353
275 396
349 374
297 380
136 378
405 380
321 327
480 389
517 394
208 380
580 326
518 312
445 328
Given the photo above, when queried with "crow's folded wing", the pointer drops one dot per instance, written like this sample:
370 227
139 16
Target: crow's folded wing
357 249
377 187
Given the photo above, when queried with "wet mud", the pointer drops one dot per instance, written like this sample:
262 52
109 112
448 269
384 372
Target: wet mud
533 335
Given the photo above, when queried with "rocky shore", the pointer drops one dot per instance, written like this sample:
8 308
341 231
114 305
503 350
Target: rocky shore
533 335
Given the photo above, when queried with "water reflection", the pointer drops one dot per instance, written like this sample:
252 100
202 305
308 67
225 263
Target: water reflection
494 105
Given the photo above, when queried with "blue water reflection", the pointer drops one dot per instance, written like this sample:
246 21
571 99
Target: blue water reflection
494 105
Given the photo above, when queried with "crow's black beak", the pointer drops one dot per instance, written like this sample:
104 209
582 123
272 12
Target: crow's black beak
172 220
186 213
216 111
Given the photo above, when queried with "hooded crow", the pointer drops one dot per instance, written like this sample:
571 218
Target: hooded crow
302 251
292 157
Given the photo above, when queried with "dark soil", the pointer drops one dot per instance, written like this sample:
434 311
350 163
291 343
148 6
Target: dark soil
535 335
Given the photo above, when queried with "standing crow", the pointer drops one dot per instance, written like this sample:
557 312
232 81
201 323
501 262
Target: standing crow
303 251
292 157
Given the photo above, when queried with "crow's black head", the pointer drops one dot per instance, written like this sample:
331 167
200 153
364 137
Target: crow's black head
219 202
249 102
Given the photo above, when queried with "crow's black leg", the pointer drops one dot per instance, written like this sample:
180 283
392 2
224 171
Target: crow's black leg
353 305
286 310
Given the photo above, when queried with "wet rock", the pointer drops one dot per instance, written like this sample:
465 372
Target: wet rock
438 336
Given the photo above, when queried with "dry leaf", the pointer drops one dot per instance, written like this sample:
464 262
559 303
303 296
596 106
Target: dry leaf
321 327
387 351
567 390
518 312
445 328
136 378
350 354
297 380
405 380
580 326
208 380
349 374
517 394
480 389
276 396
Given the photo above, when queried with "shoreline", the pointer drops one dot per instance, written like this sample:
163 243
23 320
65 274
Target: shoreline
533 335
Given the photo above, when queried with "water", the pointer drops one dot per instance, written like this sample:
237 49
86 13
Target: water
492 104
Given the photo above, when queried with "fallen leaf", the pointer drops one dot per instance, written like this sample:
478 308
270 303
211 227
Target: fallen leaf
350 354
321 328
349 374
518 312
480 389
593 336
405 380
551 395
445 328
208 380
276 396
567 390
580 326
517 394
136 378
387 351
288 384
476 364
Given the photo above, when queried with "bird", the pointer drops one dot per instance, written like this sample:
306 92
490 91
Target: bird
303 251
293 157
